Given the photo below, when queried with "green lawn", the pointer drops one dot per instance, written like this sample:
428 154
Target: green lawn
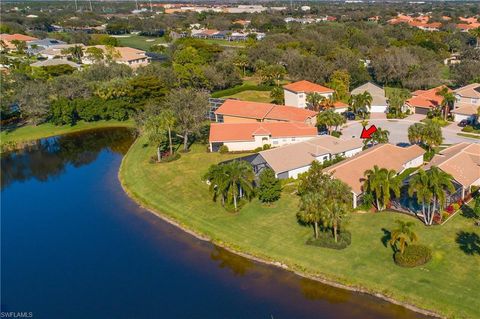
448 284
254 96
469 135
139 42
31 132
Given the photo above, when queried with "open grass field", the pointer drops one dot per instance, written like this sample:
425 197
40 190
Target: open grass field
31 132
139 42
254 96
447 285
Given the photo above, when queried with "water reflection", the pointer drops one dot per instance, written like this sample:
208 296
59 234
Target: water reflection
237 264
47 158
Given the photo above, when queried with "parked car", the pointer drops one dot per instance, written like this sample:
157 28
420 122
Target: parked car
464 123
349 115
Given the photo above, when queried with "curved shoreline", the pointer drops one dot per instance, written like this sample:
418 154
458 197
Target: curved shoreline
225 245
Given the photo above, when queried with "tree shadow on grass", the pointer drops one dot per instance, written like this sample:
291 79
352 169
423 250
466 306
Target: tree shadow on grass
387 235
468 212
469 243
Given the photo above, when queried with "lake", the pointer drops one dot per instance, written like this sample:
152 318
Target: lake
73 245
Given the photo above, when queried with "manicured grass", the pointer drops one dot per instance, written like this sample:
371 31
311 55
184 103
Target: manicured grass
254 96
139 42
31 132
448 284
469 135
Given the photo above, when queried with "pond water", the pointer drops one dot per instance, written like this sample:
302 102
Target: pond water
73 245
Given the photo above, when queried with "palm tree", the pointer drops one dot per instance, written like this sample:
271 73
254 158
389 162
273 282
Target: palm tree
239 177
75 51
378 137
382 182
314 100
361 103
168 121
277 95
447 100
415 133
432 134
419 185
327 104
439 183
311 207
403 235
476 34
241 61
336 210
217 179
155 134
330 118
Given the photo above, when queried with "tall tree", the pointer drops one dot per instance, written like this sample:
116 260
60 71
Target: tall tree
277 95
167 122
314 101
340 82
155 134
190 108
382 182
419 185
269 188
447 101
330 119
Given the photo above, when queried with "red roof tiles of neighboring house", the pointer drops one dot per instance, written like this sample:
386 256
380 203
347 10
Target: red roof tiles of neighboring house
16 36
426 98
468 20
466 26
307 87
261 111
339 105
232 132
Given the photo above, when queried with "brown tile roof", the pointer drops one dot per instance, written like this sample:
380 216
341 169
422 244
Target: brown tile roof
467 109
126 53
462 161
231 132
261 111
16 36
351 171
471 90
301 154
307 87
426 98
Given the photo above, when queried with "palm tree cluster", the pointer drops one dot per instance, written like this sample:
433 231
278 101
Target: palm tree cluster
324 201
330 119
360 104
431 189
381 183
317 102
231 182
403 235
428 134
448 98
378 137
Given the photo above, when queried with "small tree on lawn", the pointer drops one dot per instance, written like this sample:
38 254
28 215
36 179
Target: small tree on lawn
403 235
155 133
269 188
277 95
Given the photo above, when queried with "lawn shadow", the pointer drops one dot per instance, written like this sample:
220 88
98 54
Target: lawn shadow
468 212
387 235
469 243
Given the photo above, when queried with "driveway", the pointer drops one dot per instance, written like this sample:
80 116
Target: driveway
399 130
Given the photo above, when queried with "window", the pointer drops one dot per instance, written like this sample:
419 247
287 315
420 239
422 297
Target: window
325 158
293 139
275 142
475 101
301 95
264 139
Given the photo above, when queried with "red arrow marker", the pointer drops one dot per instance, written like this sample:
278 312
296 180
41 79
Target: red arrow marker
367 133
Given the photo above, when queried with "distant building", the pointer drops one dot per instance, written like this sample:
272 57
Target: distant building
379 100
54 62
134 58
296 92
467 102
7 40
34 47
57 51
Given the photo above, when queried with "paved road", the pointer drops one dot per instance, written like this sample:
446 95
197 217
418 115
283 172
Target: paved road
399 131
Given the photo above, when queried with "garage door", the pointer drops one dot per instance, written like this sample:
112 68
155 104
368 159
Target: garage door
421 110
378 109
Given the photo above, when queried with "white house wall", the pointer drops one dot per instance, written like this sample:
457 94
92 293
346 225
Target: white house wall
263 140
378 109
416 162
300 99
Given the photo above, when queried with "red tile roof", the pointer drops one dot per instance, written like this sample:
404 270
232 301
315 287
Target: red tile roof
340 105
307 87
231 132
261 111
426 98
16 36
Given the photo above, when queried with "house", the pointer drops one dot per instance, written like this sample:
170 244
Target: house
235 111
462 161
379 100
423 101
340 107
467 102
351 171
291 160
296 92
36 46
54 62
134 58
6 40
249 136
57 51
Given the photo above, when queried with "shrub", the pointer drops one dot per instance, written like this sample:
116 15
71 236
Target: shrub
223 149
336 133
413 256
445 215
325 239
468 129
266 147
455 207
258 149
269 188
171 158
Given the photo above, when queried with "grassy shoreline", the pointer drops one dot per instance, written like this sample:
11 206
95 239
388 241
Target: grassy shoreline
30 133
175 192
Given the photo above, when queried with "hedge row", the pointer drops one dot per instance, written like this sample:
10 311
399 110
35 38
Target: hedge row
241 88
413 256
326 239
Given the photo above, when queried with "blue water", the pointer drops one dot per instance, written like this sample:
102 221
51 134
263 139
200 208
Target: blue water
73 245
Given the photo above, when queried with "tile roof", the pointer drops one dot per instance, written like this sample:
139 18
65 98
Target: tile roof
377 93
261 111
237 132
339 105
301 154
16 36
307 87
467 109
471 90
126 53
351 170
426 98
462 161
52 62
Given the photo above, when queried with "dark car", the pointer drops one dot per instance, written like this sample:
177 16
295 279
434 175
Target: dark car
464 123
349 115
